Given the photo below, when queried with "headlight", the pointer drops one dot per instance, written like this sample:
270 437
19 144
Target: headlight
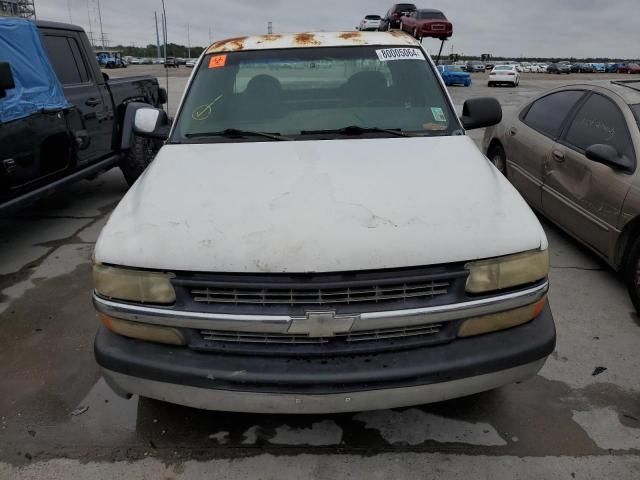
143 331
133 285
507 272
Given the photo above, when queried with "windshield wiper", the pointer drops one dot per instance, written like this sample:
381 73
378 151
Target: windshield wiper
357 130
234 132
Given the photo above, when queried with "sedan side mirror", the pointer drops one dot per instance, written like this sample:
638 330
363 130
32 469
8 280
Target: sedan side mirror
609 156
151 122
480 113
6 79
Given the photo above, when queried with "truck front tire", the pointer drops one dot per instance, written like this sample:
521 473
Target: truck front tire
138 158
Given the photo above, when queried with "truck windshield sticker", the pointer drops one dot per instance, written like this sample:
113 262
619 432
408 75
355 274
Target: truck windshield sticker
435 127
204 111
389 54
438 114
217 61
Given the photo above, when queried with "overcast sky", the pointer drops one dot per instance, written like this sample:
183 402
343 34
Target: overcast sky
562 28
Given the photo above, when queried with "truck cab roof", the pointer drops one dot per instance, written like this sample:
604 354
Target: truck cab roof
313 39
58 26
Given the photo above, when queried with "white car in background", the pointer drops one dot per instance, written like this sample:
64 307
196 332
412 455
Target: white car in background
504 75
370 22
524 67
191 62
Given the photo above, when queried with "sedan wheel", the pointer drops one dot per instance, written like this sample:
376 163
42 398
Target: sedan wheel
498 157
632 274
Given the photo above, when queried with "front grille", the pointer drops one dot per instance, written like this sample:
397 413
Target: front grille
314 297
294 294
351 337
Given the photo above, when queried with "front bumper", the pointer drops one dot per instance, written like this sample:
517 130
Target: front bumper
325 384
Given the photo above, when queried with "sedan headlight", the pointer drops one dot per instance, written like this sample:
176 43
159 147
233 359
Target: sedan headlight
507 272
133 285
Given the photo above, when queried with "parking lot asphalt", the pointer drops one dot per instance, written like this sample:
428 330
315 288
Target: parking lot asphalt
579 418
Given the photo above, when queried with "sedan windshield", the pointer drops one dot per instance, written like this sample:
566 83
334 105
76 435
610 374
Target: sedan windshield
304 93
503 67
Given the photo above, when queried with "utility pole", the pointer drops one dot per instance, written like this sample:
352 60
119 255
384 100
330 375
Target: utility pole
101 31
91 39
166 69
189 41
157 36
209 35
69 8
163 20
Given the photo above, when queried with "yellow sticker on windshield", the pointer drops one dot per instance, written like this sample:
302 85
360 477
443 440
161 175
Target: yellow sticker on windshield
204 111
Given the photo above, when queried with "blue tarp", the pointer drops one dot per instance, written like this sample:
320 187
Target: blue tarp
37 86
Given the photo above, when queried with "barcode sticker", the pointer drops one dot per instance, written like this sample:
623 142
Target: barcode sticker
389 54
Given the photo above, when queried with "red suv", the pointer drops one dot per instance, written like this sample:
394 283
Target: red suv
427 23
392 19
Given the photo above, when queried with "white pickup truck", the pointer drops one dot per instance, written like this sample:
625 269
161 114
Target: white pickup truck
318 234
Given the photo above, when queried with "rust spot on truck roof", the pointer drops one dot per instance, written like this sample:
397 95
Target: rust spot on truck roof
349 35
306 39
398 33
269 38
230 44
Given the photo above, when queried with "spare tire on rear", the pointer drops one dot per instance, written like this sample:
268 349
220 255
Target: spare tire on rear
138 157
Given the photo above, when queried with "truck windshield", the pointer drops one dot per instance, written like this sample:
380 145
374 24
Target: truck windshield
636 111
323 90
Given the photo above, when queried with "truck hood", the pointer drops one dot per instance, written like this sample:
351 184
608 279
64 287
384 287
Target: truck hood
318 206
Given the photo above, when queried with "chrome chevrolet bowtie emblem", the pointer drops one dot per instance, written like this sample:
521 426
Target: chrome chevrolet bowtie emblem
322 324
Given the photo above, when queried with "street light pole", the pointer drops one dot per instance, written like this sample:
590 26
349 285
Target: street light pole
101 30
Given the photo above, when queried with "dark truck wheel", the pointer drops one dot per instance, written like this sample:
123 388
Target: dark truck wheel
139 156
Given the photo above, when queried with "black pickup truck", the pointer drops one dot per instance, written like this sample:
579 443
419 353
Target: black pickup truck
48 150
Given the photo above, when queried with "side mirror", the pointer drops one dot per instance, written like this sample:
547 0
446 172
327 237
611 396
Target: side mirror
6 79
105 77
151 122
162 96
609 156
480 113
